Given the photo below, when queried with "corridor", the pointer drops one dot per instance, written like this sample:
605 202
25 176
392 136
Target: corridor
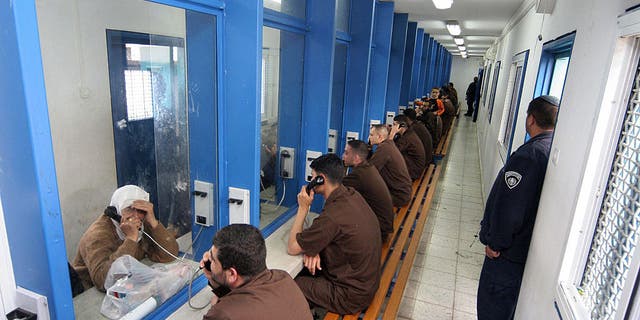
444 278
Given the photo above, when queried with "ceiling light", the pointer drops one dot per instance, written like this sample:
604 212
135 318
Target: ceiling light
453 27
458 40
442 4
462 48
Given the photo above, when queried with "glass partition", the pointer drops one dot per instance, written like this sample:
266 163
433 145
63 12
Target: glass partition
281 109
128 83
295 8
337 99
343 13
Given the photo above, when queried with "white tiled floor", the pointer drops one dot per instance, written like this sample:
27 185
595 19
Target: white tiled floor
444 279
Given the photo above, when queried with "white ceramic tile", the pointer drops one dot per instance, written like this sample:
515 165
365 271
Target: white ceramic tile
470 257
429 311
406 307
468 270
459 315
438 279
440 264
435 295
466 285
434 250
465 302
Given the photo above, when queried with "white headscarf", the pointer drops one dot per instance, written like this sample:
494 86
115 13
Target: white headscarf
123 198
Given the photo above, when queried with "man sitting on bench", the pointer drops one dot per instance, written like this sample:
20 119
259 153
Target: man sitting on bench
341 247
391 165
364 177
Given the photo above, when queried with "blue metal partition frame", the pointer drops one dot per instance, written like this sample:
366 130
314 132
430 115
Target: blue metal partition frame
380 55
396 60
362 13
318 80
417 59
431 71
423 65
28 184
407 69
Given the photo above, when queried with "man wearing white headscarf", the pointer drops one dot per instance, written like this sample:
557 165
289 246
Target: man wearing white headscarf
107 239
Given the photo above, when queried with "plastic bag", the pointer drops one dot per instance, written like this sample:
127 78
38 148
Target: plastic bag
129 283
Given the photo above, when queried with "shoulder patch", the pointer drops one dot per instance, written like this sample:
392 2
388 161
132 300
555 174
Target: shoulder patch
512 179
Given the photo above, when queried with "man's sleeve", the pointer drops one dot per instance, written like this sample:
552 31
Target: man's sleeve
378 159
216 313
516 190
317 237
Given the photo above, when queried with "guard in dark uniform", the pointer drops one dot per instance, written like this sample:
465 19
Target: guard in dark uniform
510 214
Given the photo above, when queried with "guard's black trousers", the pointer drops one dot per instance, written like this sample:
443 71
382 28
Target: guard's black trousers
498 289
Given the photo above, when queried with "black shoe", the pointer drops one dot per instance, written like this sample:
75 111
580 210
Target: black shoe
468 114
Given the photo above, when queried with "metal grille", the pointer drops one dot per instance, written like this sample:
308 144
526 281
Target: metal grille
617 231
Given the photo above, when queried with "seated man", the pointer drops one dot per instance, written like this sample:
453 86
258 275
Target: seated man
422 133
236 264
343 242
106 239
392 167
366 179
410 146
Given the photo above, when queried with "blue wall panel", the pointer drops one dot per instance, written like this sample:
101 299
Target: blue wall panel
242 52
431 67
426 43
358 69
28 184
407 69
396 59
379 62
417 59
318 82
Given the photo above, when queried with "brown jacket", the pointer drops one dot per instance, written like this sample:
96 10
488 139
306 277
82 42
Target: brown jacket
427 142
393 170
100 246
412 151
271 294
366 179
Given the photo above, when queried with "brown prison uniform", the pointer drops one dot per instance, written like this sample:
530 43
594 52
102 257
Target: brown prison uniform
447 116
100 246
368 182
424 135
272 294
393 170
412 151
347 236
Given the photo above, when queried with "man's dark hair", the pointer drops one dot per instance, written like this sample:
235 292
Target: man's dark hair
402 119
242 247
331 166
450 84
410 113
544 110
360 148
444 91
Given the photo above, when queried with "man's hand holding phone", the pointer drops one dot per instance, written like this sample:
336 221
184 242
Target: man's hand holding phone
146 208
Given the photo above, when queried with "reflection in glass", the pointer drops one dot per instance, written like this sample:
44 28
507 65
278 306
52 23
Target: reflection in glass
294 8
150 121
280 109
343 11
337 99
515 94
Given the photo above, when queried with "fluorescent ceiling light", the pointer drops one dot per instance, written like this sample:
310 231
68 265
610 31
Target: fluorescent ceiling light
454 27
442 4
462 48
458 40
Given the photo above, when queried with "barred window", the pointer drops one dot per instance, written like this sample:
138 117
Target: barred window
139 94
617 231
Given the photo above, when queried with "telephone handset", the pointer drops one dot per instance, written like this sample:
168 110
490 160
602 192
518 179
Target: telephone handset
112 213
318 180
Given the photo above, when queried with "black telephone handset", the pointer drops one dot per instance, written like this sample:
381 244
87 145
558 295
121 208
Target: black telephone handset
207 265
112 213
318 180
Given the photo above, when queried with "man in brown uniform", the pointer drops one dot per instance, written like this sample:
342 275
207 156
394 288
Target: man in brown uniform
410 146
366 179
392 167
343 243
422 133
107 240
236 265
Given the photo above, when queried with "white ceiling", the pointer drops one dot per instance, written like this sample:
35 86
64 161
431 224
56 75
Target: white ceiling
481 21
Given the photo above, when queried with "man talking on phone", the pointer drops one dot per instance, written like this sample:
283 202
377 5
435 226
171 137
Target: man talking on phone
108 239
341 249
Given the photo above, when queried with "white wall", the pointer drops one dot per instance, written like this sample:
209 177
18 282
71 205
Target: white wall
462 73
7 282
595 23
74 54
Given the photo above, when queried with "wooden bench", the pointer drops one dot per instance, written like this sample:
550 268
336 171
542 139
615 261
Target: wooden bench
399 251
443 145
